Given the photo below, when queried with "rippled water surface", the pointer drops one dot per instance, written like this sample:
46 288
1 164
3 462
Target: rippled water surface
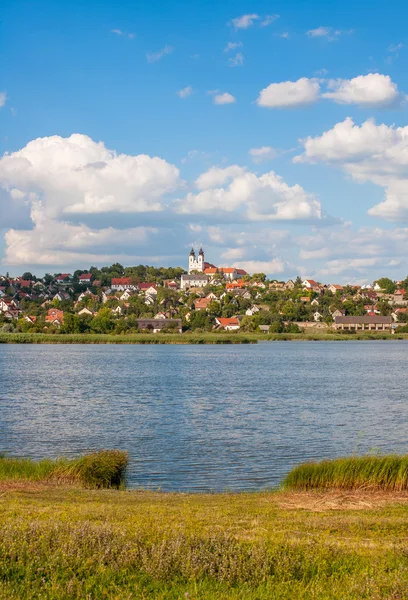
205 417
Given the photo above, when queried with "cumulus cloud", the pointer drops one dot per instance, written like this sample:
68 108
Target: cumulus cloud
185 92
155 56
224 98
372 90
289 94
78 175
262 154
3 98
269 267
245 21
264 198
237 60
54 242
232 46
370 152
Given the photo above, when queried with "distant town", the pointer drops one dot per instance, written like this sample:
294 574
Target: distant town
202 298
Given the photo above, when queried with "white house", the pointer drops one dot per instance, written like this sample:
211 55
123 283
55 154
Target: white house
317 316
197 280
231 324
121 284
252 311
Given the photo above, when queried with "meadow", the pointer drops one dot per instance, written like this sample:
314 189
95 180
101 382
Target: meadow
59 540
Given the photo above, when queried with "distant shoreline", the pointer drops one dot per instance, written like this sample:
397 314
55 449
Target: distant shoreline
189 338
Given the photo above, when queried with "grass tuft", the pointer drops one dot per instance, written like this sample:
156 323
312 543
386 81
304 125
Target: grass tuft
388 473
104 469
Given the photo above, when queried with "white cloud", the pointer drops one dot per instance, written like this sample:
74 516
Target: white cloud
224 98
53 242
131 36
374 153
372 90
3 98
328 33
78 175
269 267
232 46
284 35
233 254
264 198
245 21
237 60
262 154
268 20
288 94
155 56
185 92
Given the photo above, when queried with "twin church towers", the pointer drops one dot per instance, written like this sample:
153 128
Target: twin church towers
196 263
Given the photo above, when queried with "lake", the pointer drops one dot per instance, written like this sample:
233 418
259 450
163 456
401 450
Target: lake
205 418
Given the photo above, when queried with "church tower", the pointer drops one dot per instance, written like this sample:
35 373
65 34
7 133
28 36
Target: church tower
200 261
191 261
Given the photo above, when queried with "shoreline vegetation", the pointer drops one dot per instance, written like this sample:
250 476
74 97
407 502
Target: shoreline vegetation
59 539
189 338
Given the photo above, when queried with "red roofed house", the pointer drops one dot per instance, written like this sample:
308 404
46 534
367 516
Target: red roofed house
123 283
55 316
229 273
63 278
310 284
85 278
231 324
201 303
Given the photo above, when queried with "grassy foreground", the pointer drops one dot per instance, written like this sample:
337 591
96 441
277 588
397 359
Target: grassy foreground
63 543
60 541
188 338
369 472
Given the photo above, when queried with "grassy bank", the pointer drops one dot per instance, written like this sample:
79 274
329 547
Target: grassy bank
102 469
60 543
187 338
369 472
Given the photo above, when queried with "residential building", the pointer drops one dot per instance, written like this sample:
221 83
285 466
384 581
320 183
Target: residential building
366 322
229 324
156 325
198 280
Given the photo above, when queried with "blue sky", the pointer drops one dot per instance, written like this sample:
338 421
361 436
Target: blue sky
131 130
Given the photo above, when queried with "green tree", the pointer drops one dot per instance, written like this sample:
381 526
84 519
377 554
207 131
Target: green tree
387 285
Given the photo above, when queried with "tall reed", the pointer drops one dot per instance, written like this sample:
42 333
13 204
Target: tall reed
373 472
102 469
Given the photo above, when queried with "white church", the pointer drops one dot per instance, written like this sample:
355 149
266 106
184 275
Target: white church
196 263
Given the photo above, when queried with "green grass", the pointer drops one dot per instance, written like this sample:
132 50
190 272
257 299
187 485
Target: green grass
64 543
188 338
102 469
374 472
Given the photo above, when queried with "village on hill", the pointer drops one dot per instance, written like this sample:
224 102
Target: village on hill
119 300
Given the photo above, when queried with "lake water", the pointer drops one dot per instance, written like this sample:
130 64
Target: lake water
200 418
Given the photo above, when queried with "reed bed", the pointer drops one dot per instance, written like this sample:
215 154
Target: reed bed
388 473
103 469
187 338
